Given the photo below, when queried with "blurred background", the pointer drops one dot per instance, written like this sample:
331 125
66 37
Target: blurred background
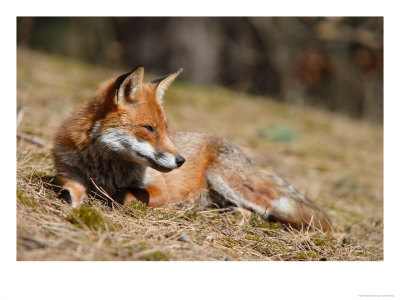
331 63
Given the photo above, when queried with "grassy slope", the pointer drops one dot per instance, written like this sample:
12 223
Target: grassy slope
334 160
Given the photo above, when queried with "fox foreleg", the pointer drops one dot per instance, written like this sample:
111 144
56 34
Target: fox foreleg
72 191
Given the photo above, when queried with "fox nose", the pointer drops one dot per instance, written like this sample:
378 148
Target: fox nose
179 160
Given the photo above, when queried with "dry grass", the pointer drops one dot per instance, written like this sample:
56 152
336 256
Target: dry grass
335 160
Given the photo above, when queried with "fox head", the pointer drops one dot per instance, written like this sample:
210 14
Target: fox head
134 126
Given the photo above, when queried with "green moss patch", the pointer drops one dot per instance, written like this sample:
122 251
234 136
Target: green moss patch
323 240
90 217
154 256
282 134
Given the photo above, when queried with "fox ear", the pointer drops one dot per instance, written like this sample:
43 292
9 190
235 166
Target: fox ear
127 85
163 83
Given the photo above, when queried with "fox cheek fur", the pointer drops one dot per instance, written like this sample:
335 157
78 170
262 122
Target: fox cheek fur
136 150
125 146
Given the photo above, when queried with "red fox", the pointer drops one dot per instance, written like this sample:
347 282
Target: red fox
119 140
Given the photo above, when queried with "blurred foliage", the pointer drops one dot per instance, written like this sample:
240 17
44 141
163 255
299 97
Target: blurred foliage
280 133
334 63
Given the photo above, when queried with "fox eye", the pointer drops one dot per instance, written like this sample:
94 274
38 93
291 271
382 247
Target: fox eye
150 128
